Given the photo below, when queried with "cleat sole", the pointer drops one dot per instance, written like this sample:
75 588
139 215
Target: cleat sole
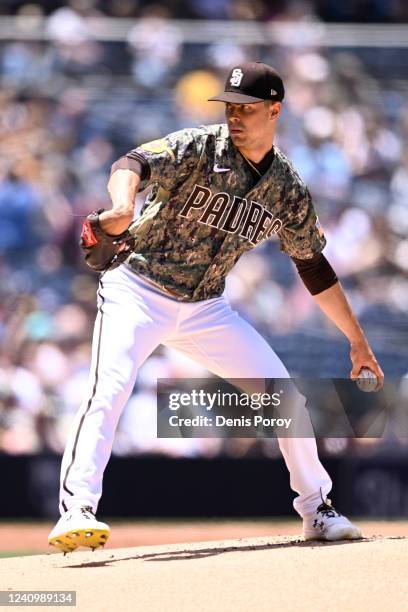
70 540
346 533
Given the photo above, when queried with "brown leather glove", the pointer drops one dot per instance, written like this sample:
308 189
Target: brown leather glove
103 251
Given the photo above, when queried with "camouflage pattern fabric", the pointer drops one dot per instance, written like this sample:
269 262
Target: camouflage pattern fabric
204 212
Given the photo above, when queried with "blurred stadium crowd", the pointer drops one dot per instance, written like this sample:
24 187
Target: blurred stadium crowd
71 104
379 11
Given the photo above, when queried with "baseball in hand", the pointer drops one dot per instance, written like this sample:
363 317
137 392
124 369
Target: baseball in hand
367 380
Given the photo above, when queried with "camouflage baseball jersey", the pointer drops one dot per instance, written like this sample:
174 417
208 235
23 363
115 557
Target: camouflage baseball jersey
204 212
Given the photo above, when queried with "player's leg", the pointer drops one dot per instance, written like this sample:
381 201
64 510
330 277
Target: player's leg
130 323
227 345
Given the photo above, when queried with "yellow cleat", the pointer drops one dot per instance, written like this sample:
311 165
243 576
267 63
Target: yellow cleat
78 527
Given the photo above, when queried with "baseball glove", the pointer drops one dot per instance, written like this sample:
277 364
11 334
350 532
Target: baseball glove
103 251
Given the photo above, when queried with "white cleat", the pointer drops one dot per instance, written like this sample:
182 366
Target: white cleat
329 525
78 527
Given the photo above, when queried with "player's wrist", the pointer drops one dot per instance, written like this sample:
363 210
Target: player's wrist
358 341
356 335
115 222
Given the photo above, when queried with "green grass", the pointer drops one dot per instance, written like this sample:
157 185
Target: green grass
17 553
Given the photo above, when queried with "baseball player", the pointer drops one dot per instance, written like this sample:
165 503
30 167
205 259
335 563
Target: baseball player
215 192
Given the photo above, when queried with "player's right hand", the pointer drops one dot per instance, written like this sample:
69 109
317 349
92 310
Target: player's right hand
362 357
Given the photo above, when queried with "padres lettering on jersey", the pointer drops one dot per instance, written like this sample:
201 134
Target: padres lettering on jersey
204 212
251 220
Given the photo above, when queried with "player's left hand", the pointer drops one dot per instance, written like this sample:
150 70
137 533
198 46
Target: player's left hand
103 251
362 356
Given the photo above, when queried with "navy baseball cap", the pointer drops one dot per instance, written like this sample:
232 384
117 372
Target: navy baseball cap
252 82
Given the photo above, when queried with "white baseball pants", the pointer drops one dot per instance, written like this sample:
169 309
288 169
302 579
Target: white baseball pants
133 319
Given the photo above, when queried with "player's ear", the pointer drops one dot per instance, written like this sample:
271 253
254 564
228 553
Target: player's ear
274 110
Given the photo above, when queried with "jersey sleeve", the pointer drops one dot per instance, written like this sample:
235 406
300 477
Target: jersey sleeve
302 235
170 159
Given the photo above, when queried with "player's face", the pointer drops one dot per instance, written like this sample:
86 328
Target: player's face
250 124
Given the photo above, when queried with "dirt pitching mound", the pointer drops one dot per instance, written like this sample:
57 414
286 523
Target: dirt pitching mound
276 573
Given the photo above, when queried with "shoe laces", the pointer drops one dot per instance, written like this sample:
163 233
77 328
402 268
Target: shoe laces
86 511
326 509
